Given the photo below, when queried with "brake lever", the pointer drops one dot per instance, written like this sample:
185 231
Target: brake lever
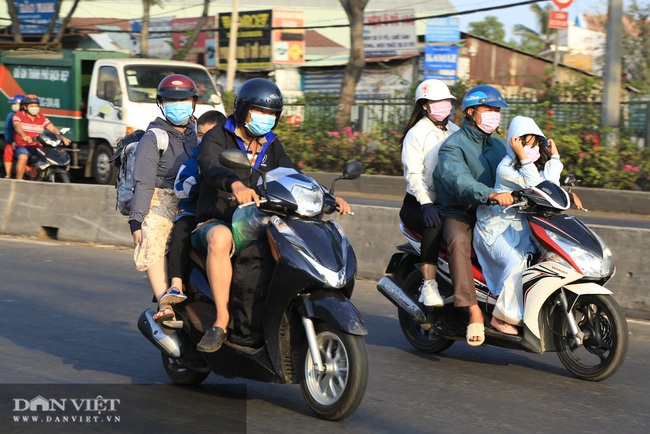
514 205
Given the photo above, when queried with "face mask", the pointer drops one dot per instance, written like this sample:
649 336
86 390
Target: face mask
533 153
260 124
33 110
490 121
15 107
440 110
178 112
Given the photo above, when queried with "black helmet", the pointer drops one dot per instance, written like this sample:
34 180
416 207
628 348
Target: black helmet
30 99
177 86
260 93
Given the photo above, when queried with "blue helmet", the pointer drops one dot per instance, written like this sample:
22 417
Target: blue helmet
483 95
16 99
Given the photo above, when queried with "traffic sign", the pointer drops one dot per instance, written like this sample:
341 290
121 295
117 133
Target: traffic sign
558 19
562 3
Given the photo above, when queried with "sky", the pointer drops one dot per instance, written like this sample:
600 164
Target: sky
520 14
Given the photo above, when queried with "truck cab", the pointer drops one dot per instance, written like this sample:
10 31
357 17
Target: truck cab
122 99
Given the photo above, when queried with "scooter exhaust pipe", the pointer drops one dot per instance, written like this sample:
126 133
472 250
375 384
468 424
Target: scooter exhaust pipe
399 298
168 343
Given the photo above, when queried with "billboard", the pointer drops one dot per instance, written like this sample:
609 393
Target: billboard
392 39
35 15
202 51
288 40
253 40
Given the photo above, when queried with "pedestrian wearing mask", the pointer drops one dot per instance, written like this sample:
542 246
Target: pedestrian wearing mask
464 178
425 131
154 204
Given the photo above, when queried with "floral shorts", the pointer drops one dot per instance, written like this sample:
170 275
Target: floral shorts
156 229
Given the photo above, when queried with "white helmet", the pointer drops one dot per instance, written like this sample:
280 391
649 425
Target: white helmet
433 90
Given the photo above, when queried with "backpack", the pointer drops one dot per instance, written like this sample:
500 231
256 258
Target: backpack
124 161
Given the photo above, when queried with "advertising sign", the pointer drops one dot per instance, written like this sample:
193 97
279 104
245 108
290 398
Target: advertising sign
442 30
253 40
438 58
159 43
35 16
288 41
197 53
558 19
393 39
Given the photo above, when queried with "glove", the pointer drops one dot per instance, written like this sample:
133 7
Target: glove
430 215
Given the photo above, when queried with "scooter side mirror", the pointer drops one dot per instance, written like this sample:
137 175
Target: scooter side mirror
352 170
234 159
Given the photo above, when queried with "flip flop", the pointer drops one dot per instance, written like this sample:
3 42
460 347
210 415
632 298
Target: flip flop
161 315
503 327
475 329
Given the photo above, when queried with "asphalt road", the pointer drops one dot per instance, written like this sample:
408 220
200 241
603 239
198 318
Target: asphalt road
68 317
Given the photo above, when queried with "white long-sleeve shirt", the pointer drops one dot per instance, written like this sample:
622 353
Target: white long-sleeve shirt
420 157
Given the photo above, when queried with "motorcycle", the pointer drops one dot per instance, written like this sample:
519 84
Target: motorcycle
53 162
566 307
304 329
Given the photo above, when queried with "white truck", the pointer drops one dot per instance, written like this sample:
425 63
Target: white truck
100 95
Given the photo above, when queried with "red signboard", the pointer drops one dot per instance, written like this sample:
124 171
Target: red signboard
562 3
558 20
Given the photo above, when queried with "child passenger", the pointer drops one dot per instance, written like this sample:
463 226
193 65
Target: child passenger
186 188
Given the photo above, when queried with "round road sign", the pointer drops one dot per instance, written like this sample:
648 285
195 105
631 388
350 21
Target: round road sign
562 3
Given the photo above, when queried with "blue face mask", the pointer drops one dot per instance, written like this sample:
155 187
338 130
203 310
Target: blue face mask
260 124
178 112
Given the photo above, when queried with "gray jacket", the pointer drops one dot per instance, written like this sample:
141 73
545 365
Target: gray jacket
155 171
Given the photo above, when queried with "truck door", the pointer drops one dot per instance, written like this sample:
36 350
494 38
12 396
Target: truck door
105 105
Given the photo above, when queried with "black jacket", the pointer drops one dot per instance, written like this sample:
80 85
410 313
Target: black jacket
215 187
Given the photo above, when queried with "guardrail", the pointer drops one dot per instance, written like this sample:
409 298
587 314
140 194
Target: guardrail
86 213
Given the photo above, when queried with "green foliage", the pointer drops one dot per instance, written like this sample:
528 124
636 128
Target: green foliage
490 28
568 113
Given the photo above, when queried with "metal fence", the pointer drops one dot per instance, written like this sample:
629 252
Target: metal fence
367 114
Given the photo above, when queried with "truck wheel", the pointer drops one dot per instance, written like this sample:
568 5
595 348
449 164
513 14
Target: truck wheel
103 172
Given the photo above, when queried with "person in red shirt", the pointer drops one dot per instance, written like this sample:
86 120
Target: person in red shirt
28 124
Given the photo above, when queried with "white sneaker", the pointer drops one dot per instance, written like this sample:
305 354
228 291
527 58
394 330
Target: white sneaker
429 294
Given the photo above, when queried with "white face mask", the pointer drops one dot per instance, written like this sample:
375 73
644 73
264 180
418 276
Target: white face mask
15 107
33 110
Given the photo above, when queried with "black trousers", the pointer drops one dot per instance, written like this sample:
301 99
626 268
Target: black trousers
411 215
180 244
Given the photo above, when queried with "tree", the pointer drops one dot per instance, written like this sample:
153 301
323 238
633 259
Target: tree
635 46
490 28
534 41
15 25
357 62
144 28
192 37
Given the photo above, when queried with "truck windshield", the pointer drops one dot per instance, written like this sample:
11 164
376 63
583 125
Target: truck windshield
142 82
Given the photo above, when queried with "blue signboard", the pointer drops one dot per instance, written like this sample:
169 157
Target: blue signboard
35 15
438 58
442 30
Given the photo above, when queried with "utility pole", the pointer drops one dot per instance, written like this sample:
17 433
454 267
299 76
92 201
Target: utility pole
611 111
232 46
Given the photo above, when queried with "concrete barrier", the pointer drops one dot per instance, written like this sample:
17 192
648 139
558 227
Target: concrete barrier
86 213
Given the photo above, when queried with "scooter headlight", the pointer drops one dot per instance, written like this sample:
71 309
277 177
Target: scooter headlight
309 199
591 265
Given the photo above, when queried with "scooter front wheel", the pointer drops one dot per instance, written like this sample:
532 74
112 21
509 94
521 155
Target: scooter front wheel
412 329
337 392
181 374
604 347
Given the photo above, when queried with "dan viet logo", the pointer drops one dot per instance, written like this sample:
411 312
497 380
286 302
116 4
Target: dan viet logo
79 410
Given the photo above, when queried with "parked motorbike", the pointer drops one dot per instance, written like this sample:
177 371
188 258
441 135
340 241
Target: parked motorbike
567 308
53 162
305 329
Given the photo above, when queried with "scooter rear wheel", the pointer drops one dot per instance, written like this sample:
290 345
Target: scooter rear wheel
412 329
603 351
337 392
180 374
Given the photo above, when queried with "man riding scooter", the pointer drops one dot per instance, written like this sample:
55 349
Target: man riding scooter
28 124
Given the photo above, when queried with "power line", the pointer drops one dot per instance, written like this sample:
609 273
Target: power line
327 26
